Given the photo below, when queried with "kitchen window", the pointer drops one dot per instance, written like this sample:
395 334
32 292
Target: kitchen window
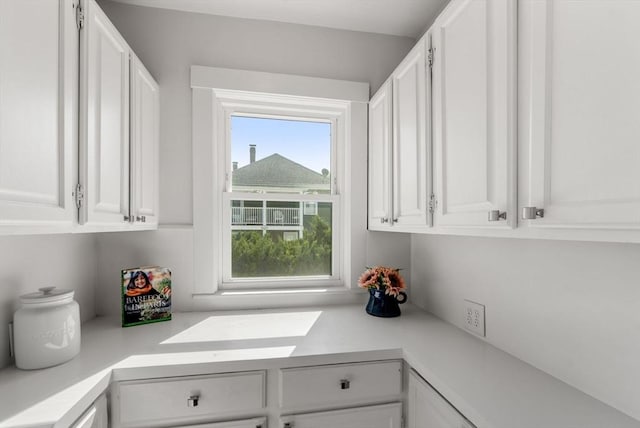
280 200
279 205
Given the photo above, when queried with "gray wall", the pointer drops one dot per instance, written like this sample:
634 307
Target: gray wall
571 309
30 262
169 42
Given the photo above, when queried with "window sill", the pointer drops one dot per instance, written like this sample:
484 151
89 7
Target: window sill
261 298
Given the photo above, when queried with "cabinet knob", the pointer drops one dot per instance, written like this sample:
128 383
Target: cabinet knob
345 384
496 215
531 213
193 401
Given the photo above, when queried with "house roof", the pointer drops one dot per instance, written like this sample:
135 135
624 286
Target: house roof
277 171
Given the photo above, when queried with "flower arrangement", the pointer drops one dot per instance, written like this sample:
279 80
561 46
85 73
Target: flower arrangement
383 278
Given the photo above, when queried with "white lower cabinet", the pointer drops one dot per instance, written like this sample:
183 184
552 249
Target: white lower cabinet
188 400
308 395
338 385
95 416
245 423
382 416
428 409
349 395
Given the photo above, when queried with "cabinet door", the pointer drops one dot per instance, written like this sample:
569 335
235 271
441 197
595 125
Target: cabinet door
246 423
410 185
145 116
95 416
380 159
427 409
104 148
580 112
474 74
383 416
38 113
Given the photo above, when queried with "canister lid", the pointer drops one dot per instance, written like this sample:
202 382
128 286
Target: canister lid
47 295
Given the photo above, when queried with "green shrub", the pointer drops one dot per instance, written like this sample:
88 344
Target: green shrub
258 255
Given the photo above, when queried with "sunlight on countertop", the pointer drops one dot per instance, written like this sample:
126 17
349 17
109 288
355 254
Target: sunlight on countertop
248 326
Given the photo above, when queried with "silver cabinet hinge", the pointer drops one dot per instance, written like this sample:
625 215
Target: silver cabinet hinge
79 195
79 17
433 203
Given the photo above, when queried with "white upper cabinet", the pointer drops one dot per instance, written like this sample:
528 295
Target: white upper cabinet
145 118
38 110
580 113
380 138
104 132
474 113
66 119
410 186
399 179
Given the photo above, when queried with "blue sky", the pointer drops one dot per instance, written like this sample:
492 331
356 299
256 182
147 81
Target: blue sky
308 143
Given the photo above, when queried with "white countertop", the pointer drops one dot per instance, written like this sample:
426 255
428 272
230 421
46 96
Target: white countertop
490 387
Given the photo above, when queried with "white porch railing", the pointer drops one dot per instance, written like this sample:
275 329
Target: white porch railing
263 216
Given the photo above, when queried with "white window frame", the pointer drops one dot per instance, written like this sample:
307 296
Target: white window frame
220 93
234 103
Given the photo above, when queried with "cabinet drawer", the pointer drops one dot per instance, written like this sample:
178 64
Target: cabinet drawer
339 384
245 423
384 416
191 398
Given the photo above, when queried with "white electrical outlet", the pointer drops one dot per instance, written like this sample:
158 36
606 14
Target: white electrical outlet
474 317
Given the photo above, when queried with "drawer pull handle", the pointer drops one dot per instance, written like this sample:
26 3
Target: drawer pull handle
193 401
345 384
288 425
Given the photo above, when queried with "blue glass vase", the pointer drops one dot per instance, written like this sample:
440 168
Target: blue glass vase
383 305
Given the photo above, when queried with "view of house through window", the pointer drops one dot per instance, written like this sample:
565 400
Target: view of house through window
281 219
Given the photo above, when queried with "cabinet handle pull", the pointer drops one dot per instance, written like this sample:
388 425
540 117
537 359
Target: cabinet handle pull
141 218
384 220
288 425
531 213
193 401
496 215
345 384
395 220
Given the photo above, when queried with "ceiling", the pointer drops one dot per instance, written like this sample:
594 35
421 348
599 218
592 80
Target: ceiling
407 18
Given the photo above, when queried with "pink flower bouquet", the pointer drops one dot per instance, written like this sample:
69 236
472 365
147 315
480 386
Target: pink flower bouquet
383 278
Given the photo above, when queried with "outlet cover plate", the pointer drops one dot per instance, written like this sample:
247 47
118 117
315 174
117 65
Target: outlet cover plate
474 317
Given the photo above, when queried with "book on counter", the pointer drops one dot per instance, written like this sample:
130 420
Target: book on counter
146 295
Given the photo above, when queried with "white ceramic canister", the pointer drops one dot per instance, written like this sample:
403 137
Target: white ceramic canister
46 329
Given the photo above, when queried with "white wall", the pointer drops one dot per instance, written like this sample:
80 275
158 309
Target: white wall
30 262
172 247
169 42
571 309
166 247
